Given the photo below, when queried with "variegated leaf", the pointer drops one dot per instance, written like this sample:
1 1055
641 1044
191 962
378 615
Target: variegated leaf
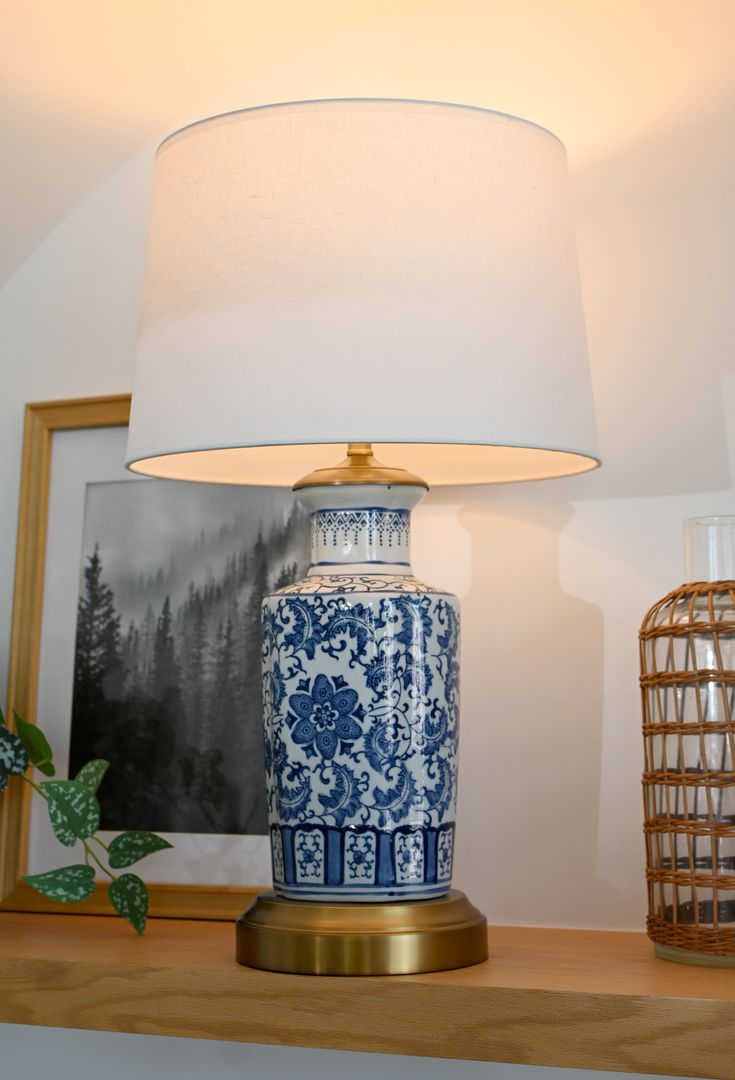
36 744
91 774
68 885
73 810
13 754
129 897
130 847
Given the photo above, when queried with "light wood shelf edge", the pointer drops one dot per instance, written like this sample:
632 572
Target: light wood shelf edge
223 903
580 999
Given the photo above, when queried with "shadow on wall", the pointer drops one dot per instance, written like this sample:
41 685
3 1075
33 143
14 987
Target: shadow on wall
532 719
655 233
655 228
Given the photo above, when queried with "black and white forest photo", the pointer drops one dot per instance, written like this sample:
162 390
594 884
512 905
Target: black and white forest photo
167 683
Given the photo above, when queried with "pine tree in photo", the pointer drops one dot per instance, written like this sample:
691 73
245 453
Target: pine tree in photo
145 740
165 677
194 674
287 576
224 665
131 656
252 811
147 644
98 665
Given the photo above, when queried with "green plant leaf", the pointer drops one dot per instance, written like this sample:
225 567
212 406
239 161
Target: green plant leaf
3 778
13 754
68 885
36 744
73 809
130 847
129 898
91 774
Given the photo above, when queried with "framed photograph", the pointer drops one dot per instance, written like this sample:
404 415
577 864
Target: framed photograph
136 638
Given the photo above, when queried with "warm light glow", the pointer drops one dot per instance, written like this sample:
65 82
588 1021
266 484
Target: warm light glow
600 74
438 464
87 84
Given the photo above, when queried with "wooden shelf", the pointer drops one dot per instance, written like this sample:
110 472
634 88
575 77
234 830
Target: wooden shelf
584 999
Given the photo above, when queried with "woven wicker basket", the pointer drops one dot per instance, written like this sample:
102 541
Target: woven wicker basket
687 649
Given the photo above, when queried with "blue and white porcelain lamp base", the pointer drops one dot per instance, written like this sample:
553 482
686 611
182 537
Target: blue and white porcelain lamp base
361 715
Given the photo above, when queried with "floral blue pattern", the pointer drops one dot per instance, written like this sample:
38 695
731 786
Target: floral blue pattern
359 857
359 583
444 854
409 857
361 706
325 716
309 856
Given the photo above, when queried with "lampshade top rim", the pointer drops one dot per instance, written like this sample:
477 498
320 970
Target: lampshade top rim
305 102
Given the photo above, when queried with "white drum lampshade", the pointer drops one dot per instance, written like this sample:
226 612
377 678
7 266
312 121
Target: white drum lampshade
393 272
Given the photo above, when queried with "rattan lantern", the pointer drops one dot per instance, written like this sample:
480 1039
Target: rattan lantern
687 652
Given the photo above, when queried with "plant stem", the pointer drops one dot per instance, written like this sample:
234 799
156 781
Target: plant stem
36 787
102 866
100 842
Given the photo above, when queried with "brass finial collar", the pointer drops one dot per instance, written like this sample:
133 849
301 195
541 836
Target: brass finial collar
359 467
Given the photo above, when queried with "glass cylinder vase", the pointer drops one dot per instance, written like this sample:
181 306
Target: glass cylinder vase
687 655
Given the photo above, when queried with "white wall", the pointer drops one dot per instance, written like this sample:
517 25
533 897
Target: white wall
554 577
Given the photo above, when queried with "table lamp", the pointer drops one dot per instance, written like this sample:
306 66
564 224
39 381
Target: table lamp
398 277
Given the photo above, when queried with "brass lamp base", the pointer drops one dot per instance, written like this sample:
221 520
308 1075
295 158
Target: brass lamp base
400 938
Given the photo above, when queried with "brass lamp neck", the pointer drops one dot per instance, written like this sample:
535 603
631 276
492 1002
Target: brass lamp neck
359 467
362 451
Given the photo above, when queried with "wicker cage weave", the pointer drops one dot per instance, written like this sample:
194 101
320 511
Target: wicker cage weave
687 651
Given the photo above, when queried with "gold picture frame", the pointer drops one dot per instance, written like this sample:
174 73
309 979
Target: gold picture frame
42 421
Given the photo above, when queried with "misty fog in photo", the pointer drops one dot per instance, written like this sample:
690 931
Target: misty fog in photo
167 661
